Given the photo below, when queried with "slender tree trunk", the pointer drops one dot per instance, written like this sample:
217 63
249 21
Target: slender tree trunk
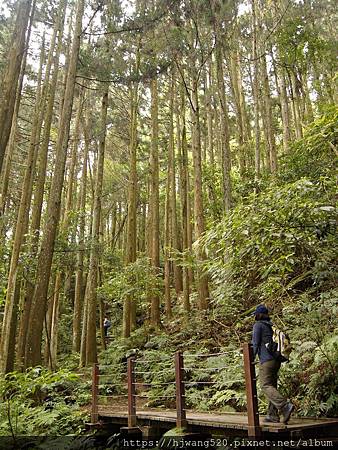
172 191
284 104
48 321
202 281
54 325
256 89
185 201
225 136
92 282
7 167
83 344
270 131
234 78
78 300
154 238
295 106
129 308
167 244
210 116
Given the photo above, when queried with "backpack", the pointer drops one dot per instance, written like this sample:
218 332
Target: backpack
280 346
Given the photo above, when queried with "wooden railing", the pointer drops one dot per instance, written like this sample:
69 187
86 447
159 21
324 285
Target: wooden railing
181 383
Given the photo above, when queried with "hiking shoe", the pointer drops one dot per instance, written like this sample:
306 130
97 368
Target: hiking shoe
286 412
271 419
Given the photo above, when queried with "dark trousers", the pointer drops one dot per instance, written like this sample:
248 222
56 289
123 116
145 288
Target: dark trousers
268 375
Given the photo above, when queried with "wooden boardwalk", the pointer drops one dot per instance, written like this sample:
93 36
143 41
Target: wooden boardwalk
131 414
222 422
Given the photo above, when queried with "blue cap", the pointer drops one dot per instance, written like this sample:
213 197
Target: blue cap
261 309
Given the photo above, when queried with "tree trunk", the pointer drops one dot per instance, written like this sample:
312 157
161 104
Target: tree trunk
129 308
202 281
92 282
256 89
185 201
154 242
270 131
297 118
53 337
172 190
12 73
167 244
78 300
284 104
225 136
210 115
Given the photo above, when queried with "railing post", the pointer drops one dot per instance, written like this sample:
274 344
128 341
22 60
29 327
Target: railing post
95 393
181 421
254 429
131 392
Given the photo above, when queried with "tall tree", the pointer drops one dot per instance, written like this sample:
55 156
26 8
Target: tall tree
154 240
93 274
53 208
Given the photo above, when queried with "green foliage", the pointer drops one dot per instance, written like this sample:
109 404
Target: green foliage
137 280
300 43
313 156
39 402
312 375
280 241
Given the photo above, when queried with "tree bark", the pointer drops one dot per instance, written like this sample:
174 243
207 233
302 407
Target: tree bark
225 136
12 73
270 131
129 307
172 191
78 300
92 282
154 238
256 89
202 280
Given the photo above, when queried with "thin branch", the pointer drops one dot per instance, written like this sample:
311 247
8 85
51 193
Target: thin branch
99 7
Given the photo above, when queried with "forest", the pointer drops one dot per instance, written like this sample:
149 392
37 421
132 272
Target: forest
167 165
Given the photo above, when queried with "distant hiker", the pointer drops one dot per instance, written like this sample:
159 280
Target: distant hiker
106 326
270 362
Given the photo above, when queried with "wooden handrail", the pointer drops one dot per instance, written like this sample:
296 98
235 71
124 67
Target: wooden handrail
95 392
131 392
254 429
181 421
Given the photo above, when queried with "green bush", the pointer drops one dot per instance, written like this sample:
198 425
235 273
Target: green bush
40 402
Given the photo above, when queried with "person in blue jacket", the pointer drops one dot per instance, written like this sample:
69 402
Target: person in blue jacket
106 326
269 367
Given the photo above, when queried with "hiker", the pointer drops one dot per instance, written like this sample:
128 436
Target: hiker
106 326
269 367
